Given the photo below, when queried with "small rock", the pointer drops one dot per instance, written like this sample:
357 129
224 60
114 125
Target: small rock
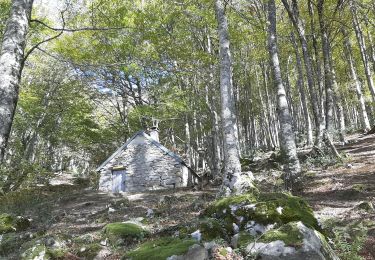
111 210
349 166
236 229
103 254
234 241
50 241
104 242
197 235
150 213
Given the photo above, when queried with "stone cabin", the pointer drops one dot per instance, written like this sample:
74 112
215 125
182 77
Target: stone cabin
141 164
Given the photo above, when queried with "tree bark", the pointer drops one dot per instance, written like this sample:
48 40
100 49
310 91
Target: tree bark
358 89
301 88
299 27
362 48
234 182
11 60
287 139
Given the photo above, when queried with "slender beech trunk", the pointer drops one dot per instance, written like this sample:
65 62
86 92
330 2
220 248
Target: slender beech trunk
327 68
287 139
301 88
328 79
362 48
11 61
234 182
357 84
293 14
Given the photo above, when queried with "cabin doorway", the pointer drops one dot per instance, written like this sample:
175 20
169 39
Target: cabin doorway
118 181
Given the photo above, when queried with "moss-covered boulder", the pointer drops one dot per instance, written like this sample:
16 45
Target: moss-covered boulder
9 223
45 247
291 241
207 228
160 249
124 233
89 251
249 211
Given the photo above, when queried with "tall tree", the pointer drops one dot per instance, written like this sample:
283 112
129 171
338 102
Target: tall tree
11 65
362 48
234 182
298 24
287 138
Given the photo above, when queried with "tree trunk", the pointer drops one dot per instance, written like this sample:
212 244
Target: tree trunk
357 84
287 139
362 48
301 88
234 182
11 60
299 27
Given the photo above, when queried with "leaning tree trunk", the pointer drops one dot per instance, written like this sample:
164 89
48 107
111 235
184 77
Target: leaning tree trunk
234 182
287 138
11 59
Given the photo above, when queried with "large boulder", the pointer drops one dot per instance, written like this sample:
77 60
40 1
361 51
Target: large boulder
257 213
124 233
291 241
43 248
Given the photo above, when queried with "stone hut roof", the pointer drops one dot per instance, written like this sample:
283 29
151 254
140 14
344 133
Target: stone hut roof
157 144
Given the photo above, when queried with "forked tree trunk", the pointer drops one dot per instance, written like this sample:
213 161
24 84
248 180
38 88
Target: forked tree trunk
287 139
11 60
234 182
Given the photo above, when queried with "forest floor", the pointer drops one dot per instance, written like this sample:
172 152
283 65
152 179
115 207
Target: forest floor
78 215
342 192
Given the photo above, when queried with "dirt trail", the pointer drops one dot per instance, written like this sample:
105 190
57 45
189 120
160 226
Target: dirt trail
335 191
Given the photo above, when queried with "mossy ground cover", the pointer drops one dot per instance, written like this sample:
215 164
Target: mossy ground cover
263 208
9 223
289 234
129 232
160 249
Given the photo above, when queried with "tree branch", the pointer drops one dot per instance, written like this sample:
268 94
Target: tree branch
79 29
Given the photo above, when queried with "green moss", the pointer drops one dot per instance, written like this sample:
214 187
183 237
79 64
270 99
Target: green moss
224 203
160 249
244 238
9 223
292 208
265 208
6 223
56 254
91 250
124 232
211 228
288 233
